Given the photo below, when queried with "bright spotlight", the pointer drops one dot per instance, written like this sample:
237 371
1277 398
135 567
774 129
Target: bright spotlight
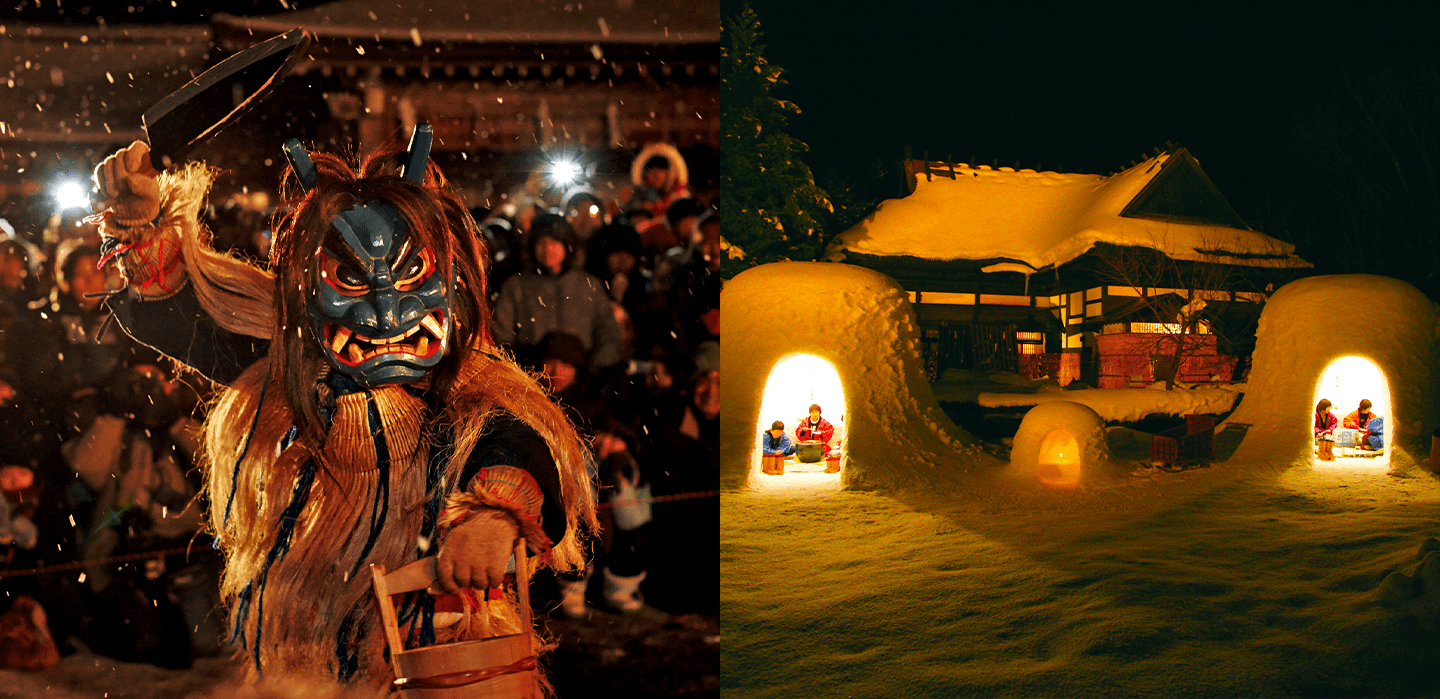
70 195
564 172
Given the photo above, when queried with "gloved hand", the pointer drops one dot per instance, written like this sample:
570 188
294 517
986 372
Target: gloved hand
148 256
127 185
475 552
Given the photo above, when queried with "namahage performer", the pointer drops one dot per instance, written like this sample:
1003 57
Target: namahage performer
367 415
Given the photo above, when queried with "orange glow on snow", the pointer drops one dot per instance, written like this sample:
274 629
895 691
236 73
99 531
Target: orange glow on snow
796 382
1345 382
1059 460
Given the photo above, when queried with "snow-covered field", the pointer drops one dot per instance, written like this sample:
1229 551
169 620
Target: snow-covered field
930 568
1235 580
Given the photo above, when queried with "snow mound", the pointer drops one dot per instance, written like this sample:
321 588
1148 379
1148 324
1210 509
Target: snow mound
1417 592
1125 404
860 322
1060 443
1306 326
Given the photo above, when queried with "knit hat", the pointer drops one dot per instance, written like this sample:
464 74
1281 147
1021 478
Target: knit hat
564 347
682 208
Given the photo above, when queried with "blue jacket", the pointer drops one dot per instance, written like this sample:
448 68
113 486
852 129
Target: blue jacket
772 446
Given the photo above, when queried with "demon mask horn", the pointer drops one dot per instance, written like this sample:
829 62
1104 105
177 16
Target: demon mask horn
413 169
301 163
418 153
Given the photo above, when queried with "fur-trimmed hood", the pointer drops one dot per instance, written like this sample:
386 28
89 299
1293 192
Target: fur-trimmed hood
679 174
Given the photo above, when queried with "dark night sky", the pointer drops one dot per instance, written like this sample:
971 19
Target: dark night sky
1076 88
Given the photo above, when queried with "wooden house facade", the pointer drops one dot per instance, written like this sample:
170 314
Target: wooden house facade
1077 277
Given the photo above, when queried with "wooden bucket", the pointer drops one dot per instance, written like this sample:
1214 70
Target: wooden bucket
502 667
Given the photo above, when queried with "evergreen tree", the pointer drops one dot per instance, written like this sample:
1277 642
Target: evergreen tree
771 207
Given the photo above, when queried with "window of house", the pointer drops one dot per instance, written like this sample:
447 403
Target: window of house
1030 343
1160 328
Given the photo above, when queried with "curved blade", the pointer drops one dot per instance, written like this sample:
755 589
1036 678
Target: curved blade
218 97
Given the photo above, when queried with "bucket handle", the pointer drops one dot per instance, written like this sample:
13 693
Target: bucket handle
420 575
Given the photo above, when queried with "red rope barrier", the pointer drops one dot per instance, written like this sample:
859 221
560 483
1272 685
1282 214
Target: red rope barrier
76 565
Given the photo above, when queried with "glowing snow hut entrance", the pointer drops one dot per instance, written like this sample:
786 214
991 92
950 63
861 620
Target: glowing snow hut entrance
797 382
1347 381
1059 459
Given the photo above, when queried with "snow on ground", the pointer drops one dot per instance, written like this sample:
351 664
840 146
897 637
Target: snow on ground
1267 574
960 386
1237 580
649 655
1005 389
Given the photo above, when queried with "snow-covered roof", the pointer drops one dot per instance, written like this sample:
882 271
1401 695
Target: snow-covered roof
1049 218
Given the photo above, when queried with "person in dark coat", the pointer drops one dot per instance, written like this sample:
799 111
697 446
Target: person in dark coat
615 258
565 365
553 295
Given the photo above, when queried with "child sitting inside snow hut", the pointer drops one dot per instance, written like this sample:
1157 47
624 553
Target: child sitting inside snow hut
815 428
818 429
1325 424
1360 417
1355 428
775 445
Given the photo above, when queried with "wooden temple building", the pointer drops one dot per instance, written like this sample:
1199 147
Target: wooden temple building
505 83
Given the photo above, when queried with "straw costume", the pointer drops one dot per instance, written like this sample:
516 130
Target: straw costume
367 415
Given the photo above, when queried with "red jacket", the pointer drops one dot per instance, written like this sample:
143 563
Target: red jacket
1354 420
821 432
1325 423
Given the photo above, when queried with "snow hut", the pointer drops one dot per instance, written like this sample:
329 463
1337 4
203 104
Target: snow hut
1061 443
1342 337
845 321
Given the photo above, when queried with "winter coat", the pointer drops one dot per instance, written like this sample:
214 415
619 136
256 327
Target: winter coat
532 306
1325 422
654 202
821 432
773 447
1354 420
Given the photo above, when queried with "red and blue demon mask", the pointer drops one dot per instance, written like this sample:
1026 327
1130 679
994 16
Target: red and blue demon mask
381 305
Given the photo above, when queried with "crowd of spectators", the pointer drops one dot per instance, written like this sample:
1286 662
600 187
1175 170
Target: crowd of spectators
616 301
97 464
613 301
